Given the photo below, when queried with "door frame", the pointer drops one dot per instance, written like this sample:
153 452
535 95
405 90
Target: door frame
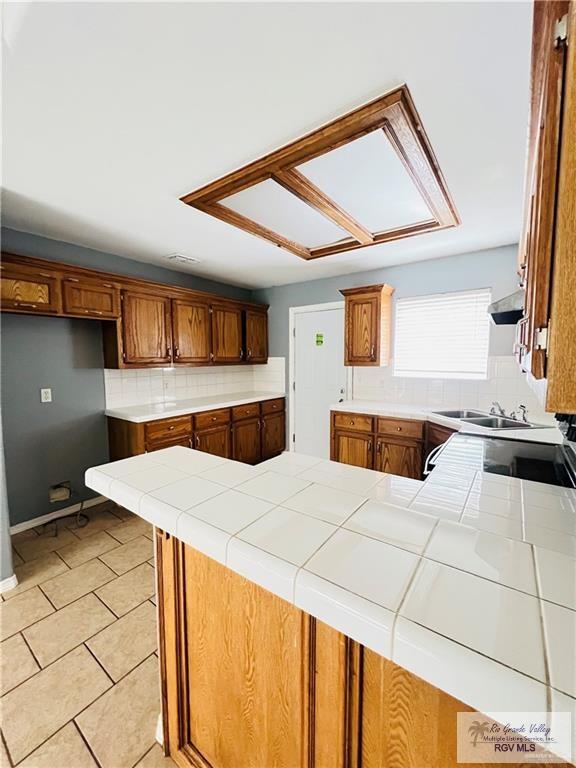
292 312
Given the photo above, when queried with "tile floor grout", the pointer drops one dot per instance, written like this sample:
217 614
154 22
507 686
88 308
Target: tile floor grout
132 594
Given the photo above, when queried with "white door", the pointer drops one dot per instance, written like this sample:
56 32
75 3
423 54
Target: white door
319 375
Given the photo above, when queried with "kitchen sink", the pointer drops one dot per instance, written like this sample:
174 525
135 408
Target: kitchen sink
498 422
461 414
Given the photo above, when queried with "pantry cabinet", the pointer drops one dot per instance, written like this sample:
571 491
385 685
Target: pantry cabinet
146 324
367 325
545 342
191 331
384 444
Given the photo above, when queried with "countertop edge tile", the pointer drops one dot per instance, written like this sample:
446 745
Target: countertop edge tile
262 568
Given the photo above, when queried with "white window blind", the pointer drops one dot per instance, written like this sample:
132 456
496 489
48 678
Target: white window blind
444 335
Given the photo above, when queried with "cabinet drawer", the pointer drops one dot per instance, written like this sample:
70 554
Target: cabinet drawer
211 418
272 406
356 422
164 430
402 427
245 411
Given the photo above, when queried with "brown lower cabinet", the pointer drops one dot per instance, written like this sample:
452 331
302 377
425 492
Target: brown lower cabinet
250 681
249 433
385 444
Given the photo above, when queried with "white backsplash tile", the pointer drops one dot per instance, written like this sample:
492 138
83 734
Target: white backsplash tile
505 383
158 385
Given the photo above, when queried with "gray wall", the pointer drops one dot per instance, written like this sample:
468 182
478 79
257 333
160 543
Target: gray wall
48 443
6 566
491 268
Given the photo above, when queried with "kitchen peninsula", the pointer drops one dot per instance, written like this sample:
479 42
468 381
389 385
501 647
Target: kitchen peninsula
308 617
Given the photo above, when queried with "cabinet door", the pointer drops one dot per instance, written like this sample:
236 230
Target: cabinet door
246 441
399 457
28 289
537 242
273 435
227 334
191 331
90 298
146 332
215 441
362 319
183 441
351 448
256 337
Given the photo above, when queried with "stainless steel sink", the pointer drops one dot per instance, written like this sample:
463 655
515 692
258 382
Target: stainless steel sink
461 414
498 422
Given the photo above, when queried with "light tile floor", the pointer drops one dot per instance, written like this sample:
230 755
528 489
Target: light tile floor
78 655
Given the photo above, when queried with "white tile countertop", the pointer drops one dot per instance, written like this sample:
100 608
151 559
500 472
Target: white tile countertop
468 580
545 434
154 411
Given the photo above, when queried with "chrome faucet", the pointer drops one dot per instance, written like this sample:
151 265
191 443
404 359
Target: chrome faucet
497 409
523 411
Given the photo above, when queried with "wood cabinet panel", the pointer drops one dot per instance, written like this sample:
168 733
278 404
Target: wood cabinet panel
399 457
353 448
90 298
146 332
227 334
216 441
209 419
256 337
246 441
30 290
191 330
245 411
435 436
246 687
185 442
168 429
273 406
353 422
367 325
273 434
400 427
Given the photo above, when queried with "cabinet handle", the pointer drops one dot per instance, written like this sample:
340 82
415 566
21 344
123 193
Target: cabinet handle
212 356
398 429
378 447
214 418
351 423
249 354
171 428
168 352
23 304
372 352
71 279
259 425
241 354
197 441
176 352
369 446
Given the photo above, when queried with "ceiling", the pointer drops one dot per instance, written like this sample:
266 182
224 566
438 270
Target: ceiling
112 111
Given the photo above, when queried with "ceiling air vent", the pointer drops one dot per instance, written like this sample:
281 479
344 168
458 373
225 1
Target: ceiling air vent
181 258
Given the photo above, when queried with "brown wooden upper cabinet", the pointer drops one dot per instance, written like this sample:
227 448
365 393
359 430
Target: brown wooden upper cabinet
191 330
90 298
146 329
29 290
546 343
227 342
256 336
368 313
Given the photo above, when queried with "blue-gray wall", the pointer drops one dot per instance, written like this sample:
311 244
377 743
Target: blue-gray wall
494 269
47 443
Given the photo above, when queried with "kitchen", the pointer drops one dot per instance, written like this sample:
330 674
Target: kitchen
288 412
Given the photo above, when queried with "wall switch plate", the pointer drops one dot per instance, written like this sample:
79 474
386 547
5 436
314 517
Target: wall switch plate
45 395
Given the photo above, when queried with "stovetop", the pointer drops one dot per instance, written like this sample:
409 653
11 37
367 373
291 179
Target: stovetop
541 462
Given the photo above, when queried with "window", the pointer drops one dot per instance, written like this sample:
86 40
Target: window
444 335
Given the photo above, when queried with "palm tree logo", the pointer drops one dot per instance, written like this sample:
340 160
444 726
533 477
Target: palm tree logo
478 729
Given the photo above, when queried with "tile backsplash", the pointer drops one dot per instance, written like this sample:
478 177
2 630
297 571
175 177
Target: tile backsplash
160 385
505 383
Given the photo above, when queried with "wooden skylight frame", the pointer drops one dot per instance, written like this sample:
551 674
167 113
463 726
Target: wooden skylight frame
395 114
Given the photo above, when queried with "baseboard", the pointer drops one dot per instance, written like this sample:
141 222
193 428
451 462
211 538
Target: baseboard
159 731
8 583
63 512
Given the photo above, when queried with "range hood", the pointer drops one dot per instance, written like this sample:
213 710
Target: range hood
509 310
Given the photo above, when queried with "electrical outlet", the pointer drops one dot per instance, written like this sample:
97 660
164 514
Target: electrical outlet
46 395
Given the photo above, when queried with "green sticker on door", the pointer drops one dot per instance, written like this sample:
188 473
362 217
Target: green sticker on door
319 339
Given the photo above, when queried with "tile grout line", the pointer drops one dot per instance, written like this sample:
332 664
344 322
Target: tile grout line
85 741
545 648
